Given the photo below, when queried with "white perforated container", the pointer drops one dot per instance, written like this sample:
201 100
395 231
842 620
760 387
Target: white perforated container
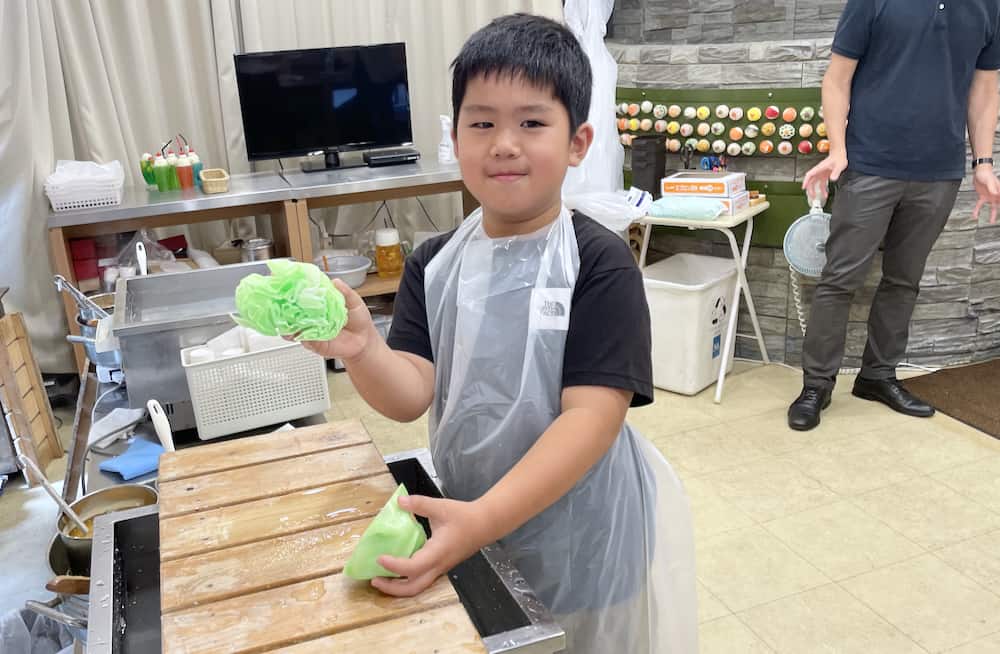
107 195
255 389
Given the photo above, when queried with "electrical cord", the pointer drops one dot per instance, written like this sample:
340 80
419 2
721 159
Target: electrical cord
374 216
427 214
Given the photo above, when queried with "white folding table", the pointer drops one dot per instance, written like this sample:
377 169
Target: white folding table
724 224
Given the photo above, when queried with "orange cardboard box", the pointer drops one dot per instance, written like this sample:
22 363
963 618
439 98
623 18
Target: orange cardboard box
707 184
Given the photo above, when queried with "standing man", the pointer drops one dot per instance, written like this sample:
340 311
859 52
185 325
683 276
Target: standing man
905 78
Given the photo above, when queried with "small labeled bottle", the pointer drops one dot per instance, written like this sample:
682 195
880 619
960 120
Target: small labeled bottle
175 183
161 173
196 167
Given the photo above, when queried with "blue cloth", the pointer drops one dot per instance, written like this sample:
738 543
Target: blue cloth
140 458
686 207
909 95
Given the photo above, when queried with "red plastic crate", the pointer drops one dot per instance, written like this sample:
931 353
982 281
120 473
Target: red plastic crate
83 248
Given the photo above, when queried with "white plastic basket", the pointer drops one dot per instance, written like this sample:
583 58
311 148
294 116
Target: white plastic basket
101 197
255 389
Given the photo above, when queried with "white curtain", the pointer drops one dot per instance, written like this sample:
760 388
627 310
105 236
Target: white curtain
34 132
110 80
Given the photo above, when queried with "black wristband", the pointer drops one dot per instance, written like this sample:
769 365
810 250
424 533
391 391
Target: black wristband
982 160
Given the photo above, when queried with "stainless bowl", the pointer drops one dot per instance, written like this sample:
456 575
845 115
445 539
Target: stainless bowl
352 269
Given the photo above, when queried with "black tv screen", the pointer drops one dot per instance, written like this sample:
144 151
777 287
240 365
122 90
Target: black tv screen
299 101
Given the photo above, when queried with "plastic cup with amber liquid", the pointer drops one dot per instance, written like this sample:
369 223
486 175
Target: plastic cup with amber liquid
388 253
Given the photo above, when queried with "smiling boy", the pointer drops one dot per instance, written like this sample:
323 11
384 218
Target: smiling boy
526 333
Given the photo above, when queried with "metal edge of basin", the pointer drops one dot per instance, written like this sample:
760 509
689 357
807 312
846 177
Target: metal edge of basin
100 628
543 635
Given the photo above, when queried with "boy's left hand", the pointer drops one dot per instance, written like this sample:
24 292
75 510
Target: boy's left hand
459 529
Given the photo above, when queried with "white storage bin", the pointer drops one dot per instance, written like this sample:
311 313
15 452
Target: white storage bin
689 297
246 391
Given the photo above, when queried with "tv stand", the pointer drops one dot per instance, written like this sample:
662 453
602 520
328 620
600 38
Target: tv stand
331 161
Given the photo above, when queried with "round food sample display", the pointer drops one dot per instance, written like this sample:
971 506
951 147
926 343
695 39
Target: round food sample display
633 109
766 147
625 138
805 130
805 147
633 124
754 114
749 148
722 111
734 149
789 115
718 129
660 126
674 145
807 113
703 112
691 143
786 131
751 131
704 145
687 130
772 112
622 124
646 124
768 129
786 148
821 130
623 108
674 110
673 127
660 111
736 133
823 146
718 146
690 112
646 106
736 113
704 129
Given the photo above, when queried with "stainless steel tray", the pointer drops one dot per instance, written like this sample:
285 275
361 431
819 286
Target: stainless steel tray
158 315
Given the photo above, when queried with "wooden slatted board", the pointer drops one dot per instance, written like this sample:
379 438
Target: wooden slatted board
254 534
25 402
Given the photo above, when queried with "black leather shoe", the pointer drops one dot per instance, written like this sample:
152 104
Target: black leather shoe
803 415
893 394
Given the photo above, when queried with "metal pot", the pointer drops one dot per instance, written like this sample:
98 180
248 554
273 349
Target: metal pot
67 609
105 301
87 338
256 249
106 500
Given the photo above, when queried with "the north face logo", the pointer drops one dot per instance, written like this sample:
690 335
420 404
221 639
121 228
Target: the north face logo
552 309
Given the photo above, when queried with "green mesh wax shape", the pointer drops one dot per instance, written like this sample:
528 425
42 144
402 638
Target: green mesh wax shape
394 532
296 299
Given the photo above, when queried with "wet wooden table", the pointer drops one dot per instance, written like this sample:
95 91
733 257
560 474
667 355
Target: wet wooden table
254 534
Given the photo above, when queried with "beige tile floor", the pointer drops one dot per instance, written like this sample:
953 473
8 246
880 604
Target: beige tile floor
874 533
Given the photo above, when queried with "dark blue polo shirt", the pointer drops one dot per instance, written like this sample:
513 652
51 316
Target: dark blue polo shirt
909 96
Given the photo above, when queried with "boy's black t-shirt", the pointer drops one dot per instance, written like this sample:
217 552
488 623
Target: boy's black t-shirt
608 342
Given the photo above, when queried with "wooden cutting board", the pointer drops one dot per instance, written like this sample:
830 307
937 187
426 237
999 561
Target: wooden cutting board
254 534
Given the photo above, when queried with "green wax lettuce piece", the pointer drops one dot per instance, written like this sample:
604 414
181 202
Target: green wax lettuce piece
296 299
394 532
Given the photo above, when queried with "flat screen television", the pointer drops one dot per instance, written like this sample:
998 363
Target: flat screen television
299 102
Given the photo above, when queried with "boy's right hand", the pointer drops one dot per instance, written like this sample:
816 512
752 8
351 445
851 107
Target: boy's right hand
357 335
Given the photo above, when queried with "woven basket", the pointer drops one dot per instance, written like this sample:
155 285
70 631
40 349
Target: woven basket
214 180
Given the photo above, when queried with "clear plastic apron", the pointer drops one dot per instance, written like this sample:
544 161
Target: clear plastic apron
614 558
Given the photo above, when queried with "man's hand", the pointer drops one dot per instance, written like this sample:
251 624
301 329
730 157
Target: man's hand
826 171
988 188
459 530
357 335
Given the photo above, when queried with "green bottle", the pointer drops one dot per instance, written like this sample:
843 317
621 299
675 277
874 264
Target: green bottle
161 173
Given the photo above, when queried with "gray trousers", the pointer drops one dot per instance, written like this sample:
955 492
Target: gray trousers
867 211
